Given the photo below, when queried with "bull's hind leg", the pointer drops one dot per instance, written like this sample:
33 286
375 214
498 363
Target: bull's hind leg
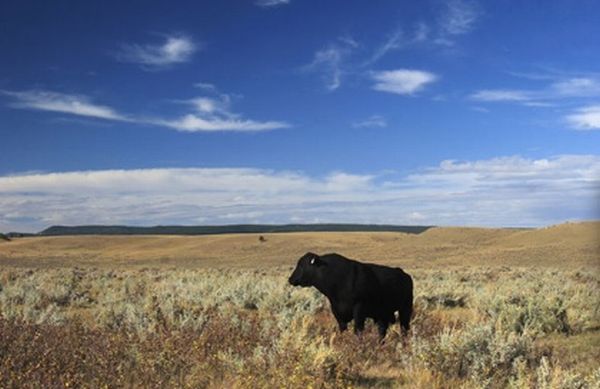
382 327
343 326
405 314
404 322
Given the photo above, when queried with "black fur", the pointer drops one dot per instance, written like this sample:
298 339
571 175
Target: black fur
358 290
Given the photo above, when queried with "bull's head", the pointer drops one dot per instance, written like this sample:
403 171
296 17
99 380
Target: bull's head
306 271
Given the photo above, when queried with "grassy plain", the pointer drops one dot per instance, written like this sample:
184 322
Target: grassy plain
494 308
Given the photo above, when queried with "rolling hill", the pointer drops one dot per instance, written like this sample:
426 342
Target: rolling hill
566 245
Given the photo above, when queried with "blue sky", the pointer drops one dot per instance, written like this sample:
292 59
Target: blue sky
270 111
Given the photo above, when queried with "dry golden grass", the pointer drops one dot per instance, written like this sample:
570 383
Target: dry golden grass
494 308
571 245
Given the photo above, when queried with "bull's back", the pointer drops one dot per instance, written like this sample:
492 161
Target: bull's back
371 281
396 285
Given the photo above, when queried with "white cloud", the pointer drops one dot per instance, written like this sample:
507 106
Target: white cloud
576 87
210 113
402 81
561 89
340 182
211 105
60 102
175 49
271 3
373 121
501 95
416 217
586 118
214 114
195 123
507 191
538 104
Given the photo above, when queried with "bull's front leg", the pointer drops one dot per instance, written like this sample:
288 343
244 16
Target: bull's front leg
342 322
359 316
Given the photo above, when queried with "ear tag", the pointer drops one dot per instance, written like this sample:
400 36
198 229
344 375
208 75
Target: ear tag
312 261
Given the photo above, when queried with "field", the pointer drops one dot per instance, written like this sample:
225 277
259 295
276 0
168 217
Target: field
494 308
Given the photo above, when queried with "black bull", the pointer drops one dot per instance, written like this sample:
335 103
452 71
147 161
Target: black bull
358 291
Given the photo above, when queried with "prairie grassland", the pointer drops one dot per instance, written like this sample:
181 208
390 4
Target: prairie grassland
571 245
479 325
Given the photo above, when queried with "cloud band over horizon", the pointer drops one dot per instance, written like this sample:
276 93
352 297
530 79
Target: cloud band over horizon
529 192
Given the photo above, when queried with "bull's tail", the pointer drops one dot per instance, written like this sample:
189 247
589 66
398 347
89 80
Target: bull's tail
406 311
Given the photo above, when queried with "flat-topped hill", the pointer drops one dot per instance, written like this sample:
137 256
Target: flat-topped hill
227 229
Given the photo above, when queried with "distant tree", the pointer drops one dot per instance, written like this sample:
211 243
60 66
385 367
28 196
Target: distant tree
4 237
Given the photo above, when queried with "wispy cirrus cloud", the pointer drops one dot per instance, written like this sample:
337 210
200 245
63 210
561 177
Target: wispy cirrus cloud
395 41
271 3
371 122
174 49
421 32
209 114
457 18
402 81
582 90
531 192
558 89
501 95
400 38
206 86
454 18
585 118
63 103
330 61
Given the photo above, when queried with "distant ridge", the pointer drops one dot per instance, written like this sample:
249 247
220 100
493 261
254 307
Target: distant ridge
227 229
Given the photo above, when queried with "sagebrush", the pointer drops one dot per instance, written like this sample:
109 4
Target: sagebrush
473 327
